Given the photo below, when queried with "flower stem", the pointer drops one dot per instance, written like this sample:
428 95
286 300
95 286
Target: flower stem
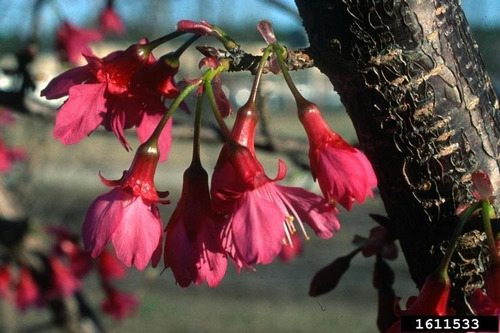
258 75
486 208
278 50
177 53
197 127
207 79
157 42
175 104
443 266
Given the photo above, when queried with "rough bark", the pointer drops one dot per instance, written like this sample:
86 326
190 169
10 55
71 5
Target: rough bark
412 80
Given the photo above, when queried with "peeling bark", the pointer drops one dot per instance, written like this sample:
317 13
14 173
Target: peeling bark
413 83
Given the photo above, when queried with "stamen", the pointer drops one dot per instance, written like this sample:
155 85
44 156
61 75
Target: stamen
288 234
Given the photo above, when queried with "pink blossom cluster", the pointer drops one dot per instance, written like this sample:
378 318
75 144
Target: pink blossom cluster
36 278
242 214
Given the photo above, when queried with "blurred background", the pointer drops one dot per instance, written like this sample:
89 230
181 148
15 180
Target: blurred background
55 184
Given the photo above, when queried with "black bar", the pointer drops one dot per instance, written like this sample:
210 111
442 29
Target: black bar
449 324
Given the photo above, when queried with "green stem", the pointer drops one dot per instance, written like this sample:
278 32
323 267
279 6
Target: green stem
258 75
197 127
157 42
443 266
208 77
177 53
175 104
286 75
486 207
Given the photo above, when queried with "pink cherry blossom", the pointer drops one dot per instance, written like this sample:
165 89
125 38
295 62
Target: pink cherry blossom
431 301
110 21
118 304
63 282
109 266
8 156
67 244
72 41
114 93
5 282
127 215
261 213
193 247
27 291
344 173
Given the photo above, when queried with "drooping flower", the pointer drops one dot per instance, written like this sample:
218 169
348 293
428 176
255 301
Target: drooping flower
5 282
109 266
27 291
482 186
72 42
67 244
193 249
380 242
489 303
118 304
343 172
8 156
261 213
127 215
63 282
112 92
111 22
431 301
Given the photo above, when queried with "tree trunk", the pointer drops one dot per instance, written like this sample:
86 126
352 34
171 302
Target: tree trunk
413 83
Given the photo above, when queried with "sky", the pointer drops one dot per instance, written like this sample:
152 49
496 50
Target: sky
17 15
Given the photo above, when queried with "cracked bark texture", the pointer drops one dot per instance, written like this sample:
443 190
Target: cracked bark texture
413 83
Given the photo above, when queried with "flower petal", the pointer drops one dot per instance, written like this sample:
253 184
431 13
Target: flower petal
103 216
257 229
138 234
60 85
312 209
81 114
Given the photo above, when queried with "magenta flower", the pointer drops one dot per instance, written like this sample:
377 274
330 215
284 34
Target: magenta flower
8 156
127 215
109 266
344 173
114 93
67 244
27 292
72 42
380 242
110 21
261 212
5 282
63 282
488 304
117 304
193 247
431 301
